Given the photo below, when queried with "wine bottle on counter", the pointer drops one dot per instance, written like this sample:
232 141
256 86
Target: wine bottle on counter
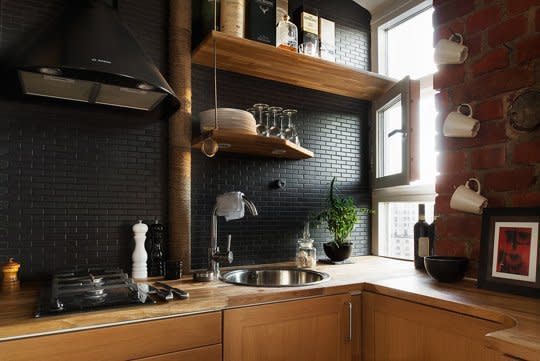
432 237
421 238
306 19
233 17
261 21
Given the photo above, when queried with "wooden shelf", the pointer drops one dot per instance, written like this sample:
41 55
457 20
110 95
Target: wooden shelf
234 142
268 62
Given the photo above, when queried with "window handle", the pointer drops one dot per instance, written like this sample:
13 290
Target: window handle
395 131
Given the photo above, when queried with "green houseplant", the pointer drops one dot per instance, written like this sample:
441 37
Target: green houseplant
340 216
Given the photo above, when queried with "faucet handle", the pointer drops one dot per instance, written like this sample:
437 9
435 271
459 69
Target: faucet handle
229 243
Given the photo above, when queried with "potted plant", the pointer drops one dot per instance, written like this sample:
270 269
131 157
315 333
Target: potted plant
340 216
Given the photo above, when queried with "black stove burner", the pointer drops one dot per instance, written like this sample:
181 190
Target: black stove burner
79 291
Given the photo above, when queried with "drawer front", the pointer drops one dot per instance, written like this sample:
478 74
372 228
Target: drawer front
137 340
207 353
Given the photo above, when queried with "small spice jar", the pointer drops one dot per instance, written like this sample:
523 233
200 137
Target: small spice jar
10 270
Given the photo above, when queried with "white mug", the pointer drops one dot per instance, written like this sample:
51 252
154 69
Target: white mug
466 200
451 52
460 125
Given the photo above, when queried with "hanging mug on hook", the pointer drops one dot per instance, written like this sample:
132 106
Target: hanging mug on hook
460 125
467 200
451 50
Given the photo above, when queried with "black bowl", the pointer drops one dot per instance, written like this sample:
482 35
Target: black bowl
446 268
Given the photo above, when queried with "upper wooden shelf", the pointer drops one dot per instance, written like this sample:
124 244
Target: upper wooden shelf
252 144
252 58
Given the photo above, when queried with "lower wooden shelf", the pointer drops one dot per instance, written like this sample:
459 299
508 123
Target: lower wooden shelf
234 142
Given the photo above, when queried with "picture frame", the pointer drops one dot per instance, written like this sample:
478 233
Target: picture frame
509 251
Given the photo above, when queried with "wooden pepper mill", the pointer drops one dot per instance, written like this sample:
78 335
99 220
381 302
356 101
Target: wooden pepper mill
10 270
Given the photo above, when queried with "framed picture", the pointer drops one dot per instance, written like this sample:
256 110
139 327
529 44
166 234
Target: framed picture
509 251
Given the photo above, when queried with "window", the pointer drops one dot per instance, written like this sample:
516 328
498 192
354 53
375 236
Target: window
405 49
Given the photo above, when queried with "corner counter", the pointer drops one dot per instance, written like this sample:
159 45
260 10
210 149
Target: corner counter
520 316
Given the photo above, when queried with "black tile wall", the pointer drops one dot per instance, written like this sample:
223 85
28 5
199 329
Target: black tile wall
334 127
75 178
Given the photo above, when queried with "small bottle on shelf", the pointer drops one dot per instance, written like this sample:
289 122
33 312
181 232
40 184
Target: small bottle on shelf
287 35
421 238
307 20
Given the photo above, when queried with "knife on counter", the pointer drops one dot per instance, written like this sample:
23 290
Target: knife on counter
176 291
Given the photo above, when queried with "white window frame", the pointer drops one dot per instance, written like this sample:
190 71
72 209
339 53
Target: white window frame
386 17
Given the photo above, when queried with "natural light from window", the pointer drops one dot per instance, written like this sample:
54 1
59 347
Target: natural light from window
409 47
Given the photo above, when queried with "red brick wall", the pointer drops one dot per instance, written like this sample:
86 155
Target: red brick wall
503 37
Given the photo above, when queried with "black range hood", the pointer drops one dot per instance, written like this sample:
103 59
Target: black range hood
91 57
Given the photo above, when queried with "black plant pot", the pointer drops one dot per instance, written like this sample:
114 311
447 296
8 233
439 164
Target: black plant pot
337 254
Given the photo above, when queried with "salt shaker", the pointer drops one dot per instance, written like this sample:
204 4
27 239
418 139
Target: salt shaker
139 256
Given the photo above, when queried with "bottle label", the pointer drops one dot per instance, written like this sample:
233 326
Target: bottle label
310 23
423 246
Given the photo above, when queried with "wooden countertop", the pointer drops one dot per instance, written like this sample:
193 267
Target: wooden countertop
389 277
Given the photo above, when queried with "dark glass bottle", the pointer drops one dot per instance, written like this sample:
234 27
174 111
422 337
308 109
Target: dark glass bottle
432 237
306 19
421 238
156 259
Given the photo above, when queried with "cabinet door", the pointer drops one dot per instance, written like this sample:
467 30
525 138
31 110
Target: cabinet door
394 329
317 329
125 342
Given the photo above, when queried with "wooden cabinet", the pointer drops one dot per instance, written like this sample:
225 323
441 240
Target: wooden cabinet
317 329
207 353
394 329
186 338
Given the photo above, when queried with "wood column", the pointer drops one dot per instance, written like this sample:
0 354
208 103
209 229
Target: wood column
179 245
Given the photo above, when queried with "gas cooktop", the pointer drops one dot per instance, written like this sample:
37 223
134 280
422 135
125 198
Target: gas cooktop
79 291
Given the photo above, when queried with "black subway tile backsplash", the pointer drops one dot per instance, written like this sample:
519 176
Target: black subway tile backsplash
74 178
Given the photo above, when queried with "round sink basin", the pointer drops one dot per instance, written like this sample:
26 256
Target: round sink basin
272 277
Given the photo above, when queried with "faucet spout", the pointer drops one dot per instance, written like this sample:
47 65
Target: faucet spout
215 256
250 206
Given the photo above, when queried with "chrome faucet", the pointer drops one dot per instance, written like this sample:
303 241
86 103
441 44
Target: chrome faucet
215 256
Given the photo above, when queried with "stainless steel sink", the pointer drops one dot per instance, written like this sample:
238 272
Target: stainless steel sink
273 277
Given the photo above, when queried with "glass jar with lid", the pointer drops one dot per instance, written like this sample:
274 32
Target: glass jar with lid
287 35
306 254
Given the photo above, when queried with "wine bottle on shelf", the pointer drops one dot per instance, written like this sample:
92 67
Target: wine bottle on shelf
421 238
307 20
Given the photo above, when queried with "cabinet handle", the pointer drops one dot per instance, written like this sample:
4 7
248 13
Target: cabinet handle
349 336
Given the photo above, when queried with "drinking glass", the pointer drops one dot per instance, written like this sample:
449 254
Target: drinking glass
282 120
260 108
263 126
290 132
274 130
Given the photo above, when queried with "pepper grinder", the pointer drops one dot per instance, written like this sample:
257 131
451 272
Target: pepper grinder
139 256
10 281
155 263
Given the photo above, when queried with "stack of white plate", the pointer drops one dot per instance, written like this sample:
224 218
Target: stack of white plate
237 120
